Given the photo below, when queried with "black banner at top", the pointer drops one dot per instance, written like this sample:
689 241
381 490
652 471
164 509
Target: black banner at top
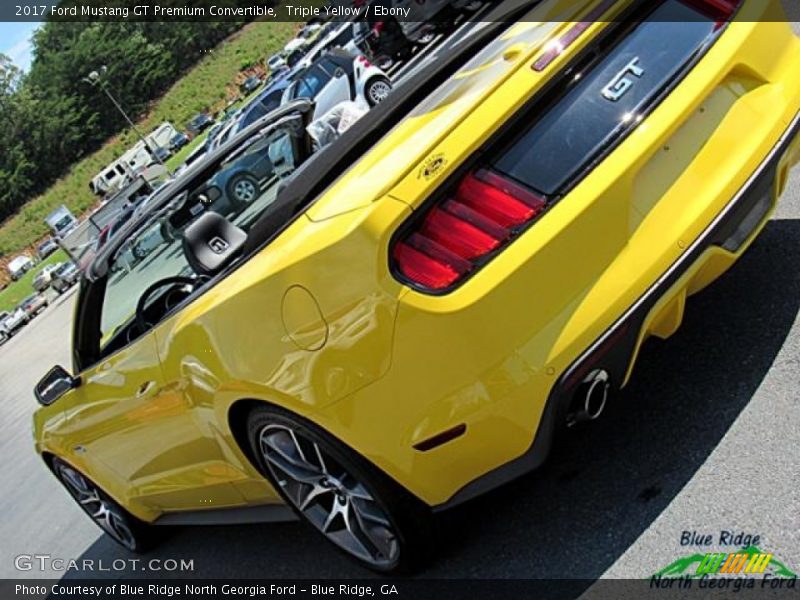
344 10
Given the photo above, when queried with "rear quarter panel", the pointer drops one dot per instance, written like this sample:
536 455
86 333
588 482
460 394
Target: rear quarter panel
302 324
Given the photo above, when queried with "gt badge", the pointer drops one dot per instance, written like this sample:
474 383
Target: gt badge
432 166
218 245
623 82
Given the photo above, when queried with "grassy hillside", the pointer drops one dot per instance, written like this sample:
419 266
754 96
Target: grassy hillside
209 85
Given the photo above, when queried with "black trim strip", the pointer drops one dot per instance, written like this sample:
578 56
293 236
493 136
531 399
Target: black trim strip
238 515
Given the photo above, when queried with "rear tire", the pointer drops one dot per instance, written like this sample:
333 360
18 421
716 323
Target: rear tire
376 90
338 493
121 526
138 253
167 232
242 191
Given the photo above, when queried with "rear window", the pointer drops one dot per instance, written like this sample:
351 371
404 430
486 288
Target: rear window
310 84
261 108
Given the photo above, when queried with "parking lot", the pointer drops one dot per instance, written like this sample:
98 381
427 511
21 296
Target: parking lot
704 439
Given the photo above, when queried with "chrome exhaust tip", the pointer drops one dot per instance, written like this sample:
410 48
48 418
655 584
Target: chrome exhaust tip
591 398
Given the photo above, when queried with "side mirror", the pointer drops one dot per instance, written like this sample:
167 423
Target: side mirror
55 384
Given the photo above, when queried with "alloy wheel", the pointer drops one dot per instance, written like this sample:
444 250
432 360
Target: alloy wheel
328 496
245 190
102 511
378 91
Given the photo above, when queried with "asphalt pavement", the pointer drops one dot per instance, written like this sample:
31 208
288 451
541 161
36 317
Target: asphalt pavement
705 439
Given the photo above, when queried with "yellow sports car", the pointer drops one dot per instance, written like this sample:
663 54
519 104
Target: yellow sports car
404 318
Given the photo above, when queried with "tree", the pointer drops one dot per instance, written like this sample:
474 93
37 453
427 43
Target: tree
51 117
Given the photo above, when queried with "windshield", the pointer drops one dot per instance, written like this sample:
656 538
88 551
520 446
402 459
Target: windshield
63 222
241 187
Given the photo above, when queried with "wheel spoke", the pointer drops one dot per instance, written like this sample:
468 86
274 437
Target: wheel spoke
100 512
75 481
89 498
356 489
374 540
338 509
362 542
121 530
297 446
298 469
315 492
319 458
368 511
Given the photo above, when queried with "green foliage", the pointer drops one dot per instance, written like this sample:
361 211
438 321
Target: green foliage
59 131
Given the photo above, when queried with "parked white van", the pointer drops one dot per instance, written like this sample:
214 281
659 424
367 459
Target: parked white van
162 135
109 178
19 266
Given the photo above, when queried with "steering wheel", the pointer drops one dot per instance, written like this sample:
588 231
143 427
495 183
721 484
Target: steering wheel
141 322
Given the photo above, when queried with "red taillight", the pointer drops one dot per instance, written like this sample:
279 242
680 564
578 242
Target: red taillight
363 60
423 269
501 201
461 237
483 214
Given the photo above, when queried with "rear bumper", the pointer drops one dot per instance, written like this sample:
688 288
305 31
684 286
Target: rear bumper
731 232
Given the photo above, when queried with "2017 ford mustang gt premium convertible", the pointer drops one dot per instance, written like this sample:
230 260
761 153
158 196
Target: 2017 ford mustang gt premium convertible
406 318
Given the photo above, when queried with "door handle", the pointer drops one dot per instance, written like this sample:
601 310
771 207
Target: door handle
145 389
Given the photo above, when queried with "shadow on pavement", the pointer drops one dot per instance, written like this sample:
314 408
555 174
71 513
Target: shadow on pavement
603 485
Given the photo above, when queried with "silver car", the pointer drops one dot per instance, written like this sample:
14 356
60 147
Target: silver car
13 321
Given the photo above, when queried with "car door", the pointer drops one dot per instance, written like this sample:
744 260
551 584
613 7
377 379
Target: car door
332 88
125 419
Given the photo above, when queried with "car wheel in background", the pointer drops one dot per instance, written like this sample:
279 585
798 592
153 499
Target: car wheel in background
119 524
242 190
138 252
384 62
167 232
350 502
377 89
